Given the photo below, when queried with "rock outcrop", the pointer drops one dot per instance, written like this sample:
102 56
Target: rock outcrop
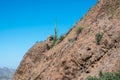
77 57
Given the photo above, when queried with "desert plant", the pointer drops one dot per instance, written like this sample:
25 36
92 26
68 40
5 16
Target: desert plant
111 8
100 74
78 30
71 40
107 76
55 37
61 38
55 34
91 78
98 38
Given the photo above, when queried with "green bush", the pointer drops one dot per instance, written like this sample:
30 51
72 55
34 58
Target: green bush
98 38
107 76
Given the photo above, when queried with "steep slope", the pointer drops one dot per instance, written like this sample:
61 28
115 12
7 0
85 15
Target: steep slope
78 56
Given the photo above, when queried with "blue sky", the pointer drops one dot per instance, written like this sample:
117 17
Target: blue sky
23 22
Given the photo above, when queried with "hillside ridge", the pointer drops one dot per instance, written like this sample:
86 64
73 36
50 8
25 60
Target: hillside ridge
92 45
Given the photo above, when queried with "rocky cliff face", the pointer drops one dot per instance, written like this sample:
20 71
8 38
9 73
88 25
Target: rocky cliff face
79 55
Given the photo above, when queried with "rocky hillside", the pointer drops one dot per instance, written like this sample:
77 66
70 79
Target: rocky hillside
6 73
92 45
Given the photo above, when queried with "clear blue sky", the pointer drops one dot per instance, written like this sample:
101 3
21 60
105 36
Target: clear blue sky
23 22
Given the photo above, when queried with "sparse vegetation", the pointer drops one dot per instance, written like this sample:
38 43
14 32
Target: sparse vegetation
71 40
106 76
98 38
55 37
78 30
111 8
91 78
61 38
100 74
